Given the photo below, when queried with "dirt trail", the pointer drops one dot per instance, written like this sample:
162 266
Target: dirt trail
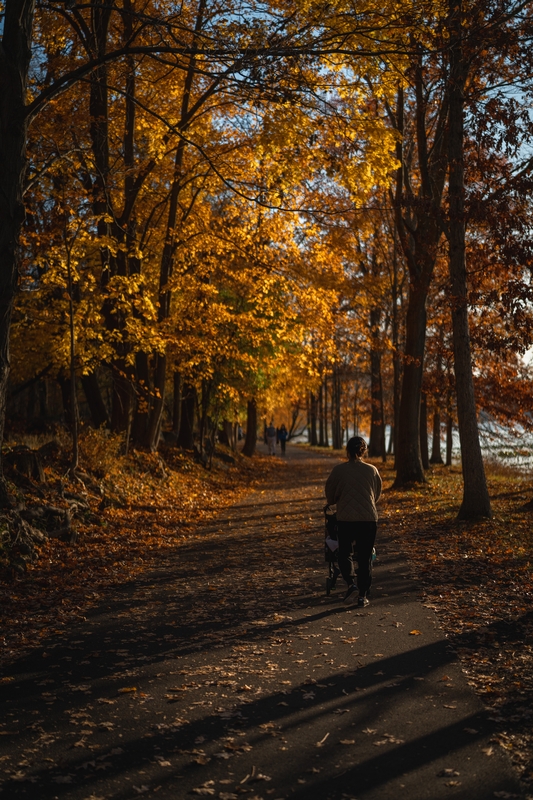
229 673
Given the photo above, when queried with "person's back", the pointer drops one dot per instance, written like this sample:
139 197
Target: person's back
282 437
354 487
271 439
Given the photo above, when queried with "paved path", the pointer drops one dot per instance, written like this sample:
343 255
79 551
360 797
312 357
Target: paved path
229 673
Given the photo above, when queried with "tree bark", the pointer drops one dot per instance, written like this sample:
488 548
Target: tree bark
251 429
66 397
424 453
396 357
122 396
449 439
326 434
227 435
376 444
321 417
476 502
143 392
336 425
95 401
436 456
313 407
188 408
176 404
409 467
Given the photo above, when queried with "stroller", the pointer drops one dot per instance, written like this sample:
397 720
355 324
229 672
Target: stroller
331 548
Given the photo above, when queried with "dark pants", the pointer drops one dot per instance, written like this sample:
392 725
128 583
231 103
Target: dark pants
363 536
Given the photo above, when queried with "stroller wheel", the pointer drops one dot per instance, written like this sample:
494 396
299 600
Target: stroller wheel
328 586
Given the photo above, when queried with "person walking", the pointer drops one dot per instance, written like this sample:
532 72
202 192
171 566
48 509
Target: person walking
282 437
271 438
355 487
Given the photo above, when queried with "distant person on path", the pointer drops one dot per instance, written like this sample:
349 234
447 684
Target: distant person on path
271 439
282 438
355 488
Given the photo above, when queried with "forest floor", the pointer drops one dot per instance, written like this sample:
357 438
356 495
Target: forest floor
185 646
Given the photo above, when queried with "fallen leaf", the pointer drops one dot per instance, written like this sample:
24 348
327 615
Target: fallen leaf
415 633
205 789
347 741
126 690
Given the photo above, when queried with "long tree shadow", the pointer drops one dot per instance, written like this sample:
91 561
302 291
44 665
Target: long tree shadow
182 753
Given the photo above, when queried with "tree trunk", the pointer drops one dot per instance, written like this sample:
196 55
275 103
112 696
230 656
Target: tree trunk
336 424
409 467
449 439
95 401
313 404
122 397
326 434
188 408
227 434
176 403
321 417
251 429
376 444
476 502
424 453
419 234
143 398
436 457
396 356
66 397
355 408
